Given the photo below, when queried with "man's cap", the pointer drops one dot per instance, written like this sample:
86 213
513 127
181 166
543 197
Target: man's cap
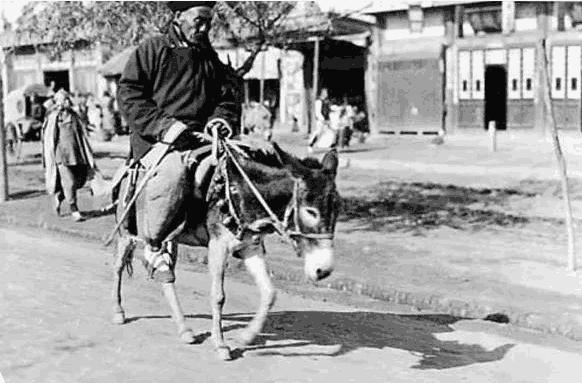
176 6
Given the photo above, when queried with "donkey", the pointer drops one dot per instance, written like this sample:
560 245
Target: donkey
304 203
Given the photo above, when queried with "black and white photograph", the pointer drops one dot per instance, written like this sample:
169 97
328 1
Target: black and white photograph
290 191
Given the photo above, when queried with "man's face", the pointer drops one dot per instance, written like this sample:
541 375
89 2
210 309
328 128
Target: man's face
194 21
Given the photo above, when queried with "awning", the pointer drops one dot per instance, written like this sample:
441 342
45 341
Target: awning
116 64
270 58
404 51
359 39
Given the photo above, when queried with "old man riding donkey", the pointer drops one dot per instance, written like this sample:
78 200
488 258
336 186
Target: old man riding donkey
188 181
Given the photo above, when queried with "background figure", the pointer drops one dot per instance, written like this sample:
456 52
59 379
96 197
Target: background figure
52 89
94 114
322 132
67 156
80 107
108 116
257 120
346 123
37 112
360 124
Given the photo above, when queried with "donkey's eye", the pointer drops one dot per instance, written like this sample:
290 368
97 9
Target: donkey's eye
310 216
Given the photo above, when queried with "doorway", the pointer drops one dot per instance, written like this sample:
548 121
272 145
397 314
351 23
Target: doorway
496 96
60 79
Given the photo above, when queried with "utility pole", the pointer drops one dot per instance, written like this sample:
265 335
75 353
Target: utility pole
315 83
3 164
561 163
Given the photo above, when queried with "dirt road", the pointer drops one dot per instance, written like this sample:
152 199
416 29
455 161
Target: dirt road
54 327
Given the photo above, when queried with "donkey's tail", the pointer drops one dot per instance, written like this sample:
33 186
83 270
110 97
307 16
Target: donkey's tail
125 249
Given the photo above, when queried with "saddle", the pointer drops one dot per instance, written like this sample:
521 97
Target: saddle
174 207
200 170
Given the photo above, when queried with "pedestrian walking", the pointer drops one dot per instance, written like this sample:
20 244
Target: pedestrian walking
67 155
322 135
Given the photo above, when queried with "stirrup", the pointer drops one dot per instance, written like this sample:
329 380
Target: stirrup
158 264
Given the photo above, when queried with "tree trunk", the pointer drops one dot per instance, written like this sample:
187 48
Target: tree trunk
248 64
3 164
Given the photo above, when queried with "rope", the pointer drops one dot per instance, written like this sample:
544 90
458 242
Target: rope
281 227
276 222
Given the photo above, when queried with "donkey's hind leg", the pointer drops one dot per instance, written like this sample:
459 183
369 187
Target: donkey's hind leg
122 259
185 333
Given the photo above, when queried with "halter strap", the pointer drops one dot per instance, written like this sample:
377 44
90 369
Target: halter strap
282 228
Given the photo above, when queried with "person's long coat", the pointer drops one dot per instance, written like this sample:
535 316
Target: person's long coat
166 80
64 142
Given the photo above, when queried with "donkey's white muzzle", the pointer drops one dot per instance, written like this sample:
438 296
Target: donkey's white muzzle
318 263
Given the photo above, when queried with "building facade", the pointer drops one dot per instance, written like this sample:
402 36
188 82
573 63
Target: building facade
75 71
458 65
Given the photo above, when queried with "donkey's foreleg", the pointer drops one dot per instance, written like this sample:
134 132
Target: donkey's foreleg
258 269
122 258
185 333
217 254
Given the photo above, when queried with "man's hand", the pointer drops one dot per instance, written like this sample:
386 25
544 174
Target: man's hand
223 128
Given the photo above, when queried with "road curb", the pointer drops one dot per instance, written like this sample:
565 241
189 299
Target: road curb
565 325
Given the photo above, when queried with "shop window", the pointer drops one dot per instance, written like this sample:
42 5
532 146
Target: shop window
528 72
484 19
514 73
478 74
573 72
558 72
415 18
464 75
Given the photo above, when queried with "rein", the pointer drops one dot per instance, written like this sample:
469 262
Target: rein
282 228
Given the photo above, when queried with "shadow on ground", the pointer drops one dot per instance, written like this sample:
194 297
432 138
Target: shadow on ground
350 331
414 206
354 330
27 194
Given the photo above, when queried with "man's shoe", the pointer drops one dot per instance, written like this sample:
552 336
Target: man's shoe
158 265
77 216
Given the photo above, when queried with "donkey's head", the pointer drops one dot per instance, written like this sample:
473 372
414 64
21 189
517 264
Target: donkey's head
313 211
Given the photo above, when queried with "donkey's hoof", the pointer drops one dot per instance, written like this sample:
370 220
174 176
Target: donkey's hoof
223 353
118 317
247 337
187 336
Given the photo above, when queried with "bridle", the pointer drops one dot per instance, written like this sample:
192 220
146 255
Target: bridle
282 228
293 210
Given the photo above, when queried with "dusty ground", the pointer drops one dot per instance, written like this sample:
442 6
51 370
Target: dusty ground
494 242
55 307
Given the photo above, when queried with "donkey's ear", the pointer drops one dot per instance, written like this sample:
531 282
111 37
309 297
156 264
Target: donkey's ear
285 158
290 162
330 162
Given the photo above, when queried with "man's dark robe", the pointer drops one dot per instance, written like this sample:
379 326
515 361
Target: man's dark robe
64 143
167 80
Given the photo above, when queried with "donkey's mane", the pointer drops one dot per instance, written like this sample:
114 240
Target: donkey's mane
272 160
